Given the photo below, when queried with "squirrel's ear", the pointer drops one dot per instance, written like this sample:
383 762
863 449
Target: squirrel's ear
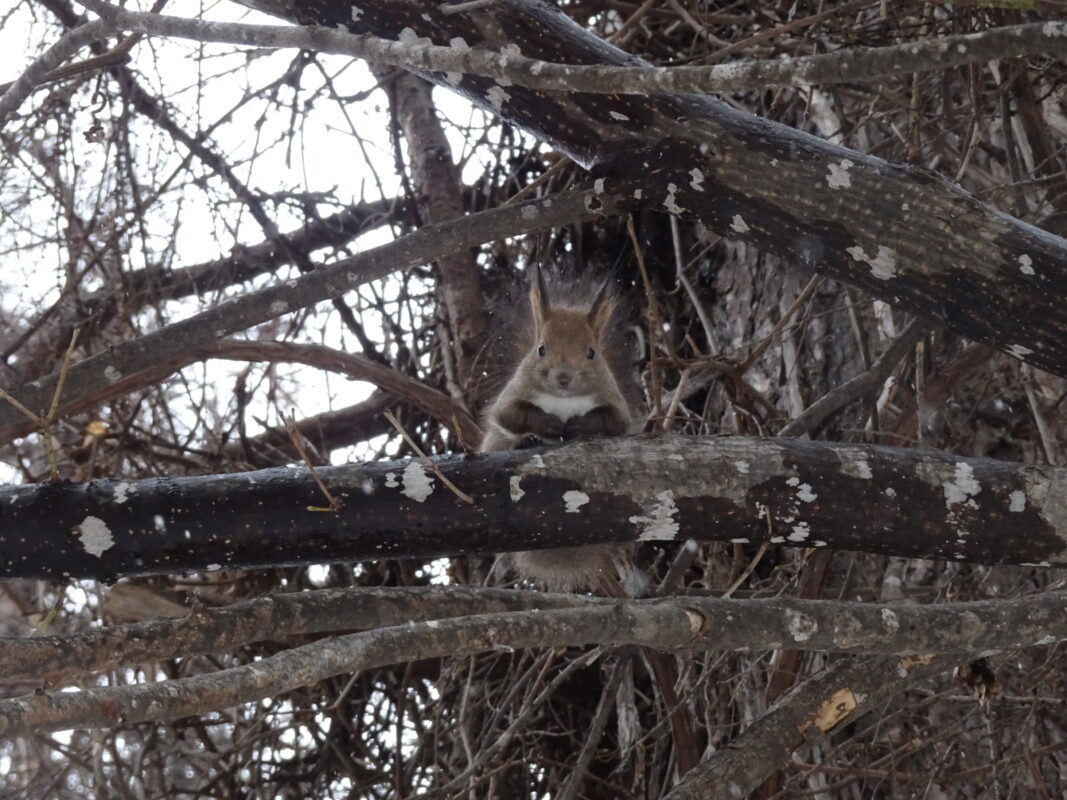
601 310
538 297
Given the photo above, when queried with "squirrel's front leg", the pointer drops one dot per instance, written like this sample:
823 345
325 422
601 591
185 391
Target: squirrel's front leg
526 419
600 421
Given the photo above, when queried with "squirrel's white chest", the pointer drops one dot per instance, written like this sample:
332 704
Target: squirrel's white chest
564 407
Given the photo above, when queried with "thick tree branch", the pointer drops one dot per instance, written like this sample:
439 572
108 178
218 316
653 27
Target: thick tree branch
904 234
977 627
218 630
440 197
782 491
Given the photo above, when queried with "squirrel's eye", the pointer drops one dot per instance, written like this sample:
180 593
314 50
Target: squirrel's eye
590 353
541 350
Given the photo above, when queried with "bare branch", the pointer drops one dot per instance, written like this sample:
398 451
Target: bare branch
826 702
782 491
218 630
38 72
847 64
685 624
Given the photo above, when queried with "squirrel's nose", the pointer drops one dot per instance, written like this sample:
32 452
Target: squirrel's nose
563 379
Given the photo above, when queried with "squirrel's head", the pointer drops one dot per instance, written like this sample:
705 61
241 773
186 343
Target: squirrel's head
567 358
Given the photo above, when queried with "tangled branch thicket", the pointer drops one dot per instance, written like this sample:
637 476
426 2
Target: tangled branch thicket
136 195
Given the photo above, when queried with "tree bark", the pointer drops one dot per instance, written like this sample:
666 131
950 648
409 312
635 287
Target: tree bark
783 491
440 198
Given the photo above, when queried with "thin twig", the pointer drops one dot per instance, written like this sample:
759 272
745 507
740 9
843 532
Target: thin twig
777 329
751 566
298 443
427 461
833 401
635 18
596 730
539 181
62 377
679 262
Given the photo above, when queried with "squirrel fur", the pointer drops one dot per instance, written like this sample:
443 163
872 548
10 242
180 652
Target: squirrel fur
564 387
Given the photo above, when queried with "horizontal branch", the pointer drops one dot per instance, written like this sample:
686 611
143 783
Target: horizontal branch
977 627
457 57
50 659
679 624
782 491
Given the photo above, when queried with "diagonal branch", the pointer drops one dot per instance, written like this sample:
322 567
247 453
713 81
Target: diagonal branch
904 234
863 384
38 72
826 702
437 404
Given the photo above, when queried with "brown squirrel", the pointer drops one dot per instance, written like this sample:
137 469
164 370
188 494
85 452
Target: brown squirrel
564 387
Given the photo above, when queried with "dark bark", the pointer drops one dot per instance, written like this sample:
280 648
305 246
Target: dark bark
916 504
904 234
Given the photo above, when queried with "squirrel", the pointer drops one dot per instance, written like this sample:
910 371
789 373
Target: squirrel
564 387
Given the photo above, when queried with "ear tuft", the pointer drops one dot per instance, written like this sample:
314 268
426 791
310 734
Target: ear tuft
538 298
601 310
